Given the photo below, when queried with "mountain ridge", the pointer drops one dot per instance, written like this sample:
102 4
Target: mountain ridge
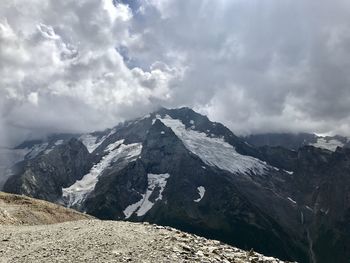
175 167
294 141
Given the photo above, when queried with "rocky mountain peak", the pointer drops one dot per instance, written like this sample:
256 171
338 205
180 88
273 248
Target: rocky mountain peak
175 167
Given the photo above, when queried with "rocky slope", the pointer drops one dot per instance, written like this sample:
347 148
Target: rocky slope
8 157
107 241
44 176
22 210
177 168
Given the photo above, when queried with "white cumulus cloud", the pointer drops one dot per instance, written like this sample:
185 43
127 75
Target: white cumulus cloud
60 69
257 66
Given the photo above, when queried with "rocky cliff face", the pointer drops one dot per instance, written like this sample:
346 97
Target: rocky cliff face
177 168
44 176
323 183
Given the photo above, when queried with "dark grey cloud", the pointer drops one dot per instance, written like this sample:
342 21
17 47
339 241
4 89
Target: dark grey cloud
255 65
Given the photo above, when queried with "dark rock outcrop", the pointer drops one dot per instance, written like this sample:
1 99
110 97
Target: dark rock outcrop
44 176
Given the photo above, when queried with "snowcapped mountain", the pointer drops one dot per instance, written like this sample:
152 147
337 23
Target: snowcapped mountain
295 141
176 167
331 143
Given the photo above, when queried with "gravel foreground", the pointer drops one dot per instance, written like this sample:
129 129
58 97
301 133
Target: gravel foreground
112 241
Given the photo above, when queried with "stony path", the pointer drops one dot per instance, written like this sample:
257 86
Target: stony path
110 241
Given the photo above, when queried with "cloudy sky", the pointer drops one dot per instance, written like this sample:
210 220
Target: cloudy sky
257 66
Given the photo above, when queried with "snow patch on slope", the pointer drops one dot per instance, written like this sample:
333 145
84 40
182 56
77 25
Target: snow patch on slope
76 193
291 200
59 142
144 205
201 192
36 150
214 151
50 149
331 144
92 142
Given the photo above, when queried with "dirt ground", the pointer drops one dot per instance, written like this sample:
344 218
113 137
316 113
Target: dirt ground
37 231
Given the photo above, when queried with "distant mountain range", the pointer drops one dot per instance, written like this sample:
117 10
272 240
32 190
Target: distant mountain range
295 141
278 194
